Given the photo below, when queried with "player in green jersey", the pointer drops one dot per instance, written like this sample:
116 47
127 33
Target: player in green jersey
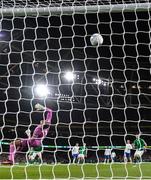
82 154
139 144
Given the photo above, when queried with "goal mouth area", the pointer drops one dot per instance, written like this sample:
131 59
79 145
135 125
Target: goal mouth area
99 94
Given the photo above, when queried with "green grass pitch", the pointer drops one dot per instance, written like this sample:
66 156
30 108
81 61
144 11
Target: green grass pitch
66 171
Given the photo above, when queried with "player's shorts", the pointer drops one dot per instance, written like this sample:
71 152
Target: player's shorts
107 156
24 144
75 155
139 153
27 143
127 155
81 156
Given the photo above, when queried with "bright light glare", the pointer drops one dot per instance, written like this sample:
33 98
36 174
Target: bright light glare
69 76
97 81
41 90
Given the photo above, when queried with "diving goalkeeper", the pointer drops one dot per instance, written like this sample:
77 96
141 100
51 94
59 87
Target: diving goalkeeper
36 139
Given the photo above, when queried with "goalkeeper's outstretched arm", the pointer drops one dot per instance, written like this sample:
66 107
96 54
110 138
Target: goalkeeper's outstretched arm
45 123
48 111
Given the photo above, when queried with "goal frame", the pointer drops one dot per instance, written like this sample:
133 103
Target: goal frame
43 11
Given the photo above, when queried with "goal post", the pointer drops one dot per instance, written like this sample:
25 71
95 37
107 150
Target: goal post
44 11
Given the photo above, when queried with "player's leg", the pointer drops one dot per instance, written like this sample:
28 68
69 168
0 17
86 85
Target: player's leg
76 159
135 159
113 160
17 145
136 156
104 159
125 158
13 147
73 156
140 153
79 158
130 159
108 159
83 158
39 155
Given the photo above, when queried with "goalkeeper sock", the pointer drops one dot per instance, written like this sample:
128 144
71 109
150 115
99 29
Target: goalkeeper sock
12 153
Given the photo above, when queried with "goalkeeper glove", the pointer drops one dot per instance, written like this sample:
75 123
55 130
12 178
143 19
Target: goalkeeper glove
28 132
39 107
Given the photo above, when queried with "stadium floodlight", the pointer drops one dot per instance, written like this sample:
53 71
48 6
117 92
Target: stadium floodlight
41 90
69 76
97 81
100 82
134 86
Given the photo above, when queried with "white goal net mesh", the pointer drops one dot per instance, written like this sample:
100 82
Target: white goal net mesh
100 95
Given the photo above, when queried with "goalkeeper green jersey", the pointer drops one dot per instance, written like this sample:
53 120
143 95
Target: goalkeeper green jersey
139 144
83 151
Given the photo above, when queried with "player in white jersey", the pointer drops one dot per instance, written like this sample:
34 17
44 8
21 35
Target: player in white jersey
127 152
107 155
75 152
113 156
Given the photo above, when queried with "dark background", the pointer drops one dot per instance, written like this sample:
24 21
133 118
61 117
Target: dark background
37 50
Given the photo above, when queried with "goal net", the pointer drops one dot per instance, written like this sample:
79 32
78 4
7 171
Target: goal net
99 95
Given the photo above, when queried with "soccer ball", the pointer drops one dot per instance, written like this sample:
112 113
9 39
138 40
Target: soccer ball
96 39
